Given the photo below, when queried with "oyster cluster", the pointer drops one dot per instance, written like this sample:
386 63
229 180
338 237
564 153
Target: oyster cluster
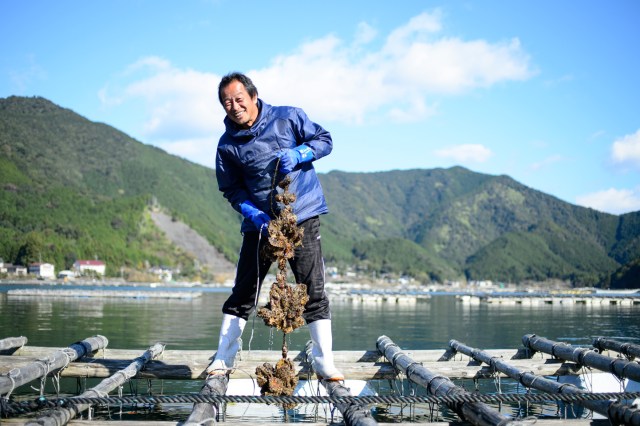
286 302
278 380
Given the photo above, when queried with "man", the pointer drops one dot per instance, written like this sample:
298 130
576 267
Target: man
261 145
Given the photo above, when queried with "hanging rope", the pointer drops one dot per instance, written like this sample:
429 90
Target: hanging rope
286 302
12 407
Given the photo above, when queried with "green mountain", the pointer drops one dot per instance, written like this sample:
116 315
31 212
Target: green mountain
71 188
482 226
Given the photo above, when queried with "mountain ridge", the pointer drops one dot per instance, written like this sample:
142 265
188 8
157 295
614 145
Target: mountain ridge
434 224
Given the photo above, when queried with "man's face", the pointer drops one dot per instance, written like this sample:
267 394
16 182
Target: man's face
241 108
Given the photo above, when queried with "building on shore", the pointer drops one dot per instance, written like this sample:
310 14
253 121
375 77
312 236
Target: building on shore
89 267
43 270
12 270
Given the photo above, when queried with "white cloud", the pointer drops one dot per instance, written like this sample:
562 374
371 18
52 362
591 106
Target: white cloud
546 162
199 150
365 33
612 200
400 80
597 135
558 80
466 153
415 110
627 150
335 81
149 63
177 103
22 78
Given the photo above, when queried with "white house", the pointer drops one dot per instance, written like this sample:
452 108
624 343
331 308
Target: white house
89 267
43 270
16 270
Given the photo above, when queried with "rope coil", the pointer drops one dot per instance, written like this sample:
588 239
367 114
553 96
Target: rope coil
317 399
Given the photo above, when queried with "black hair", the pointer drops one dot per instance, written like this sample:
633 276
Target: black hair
237 76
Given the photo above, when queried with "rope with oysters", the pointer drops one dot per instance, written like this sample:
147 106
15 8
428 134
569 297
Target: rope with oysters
286 301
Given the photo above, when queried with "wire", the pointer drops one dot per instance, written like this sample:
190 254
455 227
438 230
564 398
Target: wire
258 286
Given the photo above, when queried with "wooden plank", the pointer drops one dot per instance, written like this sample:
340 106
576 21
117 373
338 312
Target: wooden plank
11 344
270 356
190 369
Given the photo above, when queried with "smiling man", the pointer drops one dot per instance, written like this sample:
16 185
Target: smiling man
261 145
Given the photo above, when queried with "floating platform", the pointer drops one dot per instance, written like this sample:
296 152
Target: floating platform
94 293
602 380
628 299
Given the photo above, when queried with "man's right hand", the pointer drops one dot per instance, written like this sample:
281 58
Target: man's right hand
254 214
290 158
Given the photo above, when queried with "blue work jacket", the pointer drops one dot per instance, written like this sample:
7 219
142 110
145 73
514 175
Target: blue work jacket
246 161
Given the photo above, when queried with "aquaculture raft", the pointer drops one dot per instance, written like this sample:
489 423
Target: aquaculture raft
431 371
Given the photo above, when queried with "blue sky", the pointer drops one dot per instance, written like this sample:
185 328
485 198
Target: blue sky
546 92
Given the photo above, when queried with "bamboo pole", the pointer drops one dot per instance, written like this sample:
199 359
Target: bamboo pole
616 412
621 368
185 368
353 413
627 349
61 416
56 360
205 357
476 413
205 412
9 343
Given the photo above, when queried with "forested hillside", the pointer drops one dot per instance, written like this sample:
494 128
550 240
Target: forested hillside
485 227
71 188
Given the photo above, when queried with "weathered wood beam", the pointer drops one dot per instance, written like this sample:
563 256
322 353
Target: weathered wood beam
187 369
260 356
17 377
477 413
11 344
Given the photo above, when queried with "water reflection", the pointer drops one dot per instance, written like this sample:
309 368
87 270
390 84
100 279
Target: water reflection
194 323
425 324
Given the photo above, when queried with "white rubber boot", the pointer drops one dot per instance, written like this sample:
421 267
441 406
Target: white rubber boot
321 351
228 344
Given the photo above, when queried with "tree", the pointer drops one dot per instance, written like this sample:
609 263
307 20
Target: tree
31 249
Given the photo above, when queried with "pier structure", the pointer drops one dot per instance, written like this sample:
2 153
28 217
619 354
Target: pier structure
534 299
431 373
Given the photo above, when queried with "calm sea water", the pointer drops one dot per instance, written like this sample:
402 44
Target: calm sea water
194 323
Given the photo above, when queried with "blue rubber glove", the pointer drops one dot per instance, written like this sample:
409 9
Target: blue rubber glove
255 215
290 158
